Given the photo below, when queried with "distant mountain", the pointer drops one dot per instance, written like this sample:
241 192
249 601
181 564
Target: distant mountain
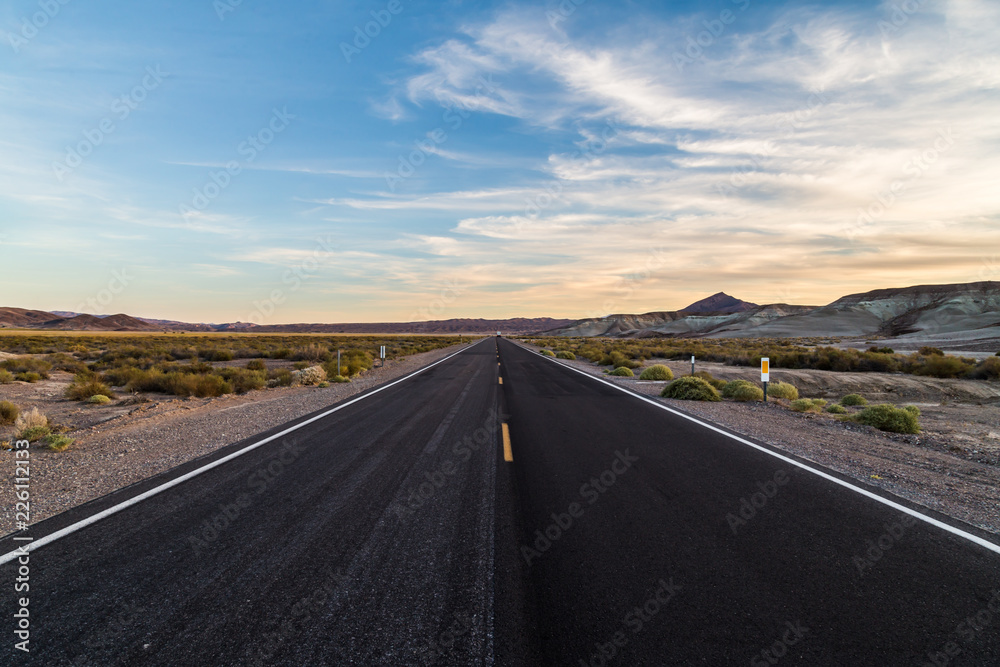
69 321
964 311
719 302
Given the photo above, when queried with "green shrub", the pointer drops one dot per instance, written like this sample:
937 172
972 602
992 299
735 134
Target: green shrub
57 442
99 399
28 365
565 355
927 351
216 355
742 390
279 377
84 387
243 380
912 409
709 378
622 371
323 385
944 367
987 369
880 350
300 365
340 378
886 417
547 353
256 365
854 399
836 409
656 372
30 376
6 377
808 405
691 388
782 390
8 412
201 386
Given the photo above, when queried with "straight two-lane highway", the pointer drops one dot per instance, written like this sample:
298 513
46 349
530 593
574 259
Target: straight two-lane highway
392 531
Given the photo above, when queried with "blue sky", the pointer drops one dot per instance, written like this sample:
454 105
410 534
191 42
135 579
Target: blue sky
269 162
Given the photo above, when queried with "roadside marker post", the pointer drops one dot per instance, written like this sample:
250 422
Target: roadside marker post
382 355
692 364
765 373
338 363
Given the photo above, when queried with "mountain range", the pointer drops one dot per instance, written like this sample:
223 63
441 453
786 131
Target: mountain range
953 313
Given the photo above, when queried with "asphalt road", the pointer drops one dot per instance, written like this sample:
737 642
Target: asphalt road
394 532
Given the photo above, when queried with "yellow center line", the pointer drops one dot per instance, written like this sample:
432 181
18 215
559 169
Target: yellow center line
501 380
508 455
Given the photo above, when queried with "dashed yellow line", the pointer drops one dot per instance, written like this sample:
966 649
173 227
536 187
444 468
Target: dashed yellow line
501 380
508 454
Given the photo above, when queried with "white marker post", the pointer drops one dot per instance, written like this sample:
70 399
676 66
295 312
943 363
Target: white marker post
338 364
692 364
765 374
383 355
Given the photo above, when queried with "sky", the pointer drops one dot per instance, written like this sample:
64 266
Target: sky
242 160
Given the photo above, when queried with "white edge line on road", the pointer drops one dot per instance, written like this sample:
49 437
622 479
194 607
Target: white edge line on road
83 523
874 496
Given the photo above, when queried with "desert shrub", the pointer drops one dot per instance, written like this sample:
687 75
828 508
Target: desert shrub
57 442
355 361
782 390
99 399
547 353
85 386
281 353
31 425
836 409
6 377
323 385
216 355
8 412
28 365
711 379
656 372
742 390
565 355
279 377
313 352
927 351
912 409
854 399
308 376
201 386
619 360
339 378
944 367
880 350
65 362
256 365
987 369
691 388
808 405
29 376
622 371
886 417
301 365
243 380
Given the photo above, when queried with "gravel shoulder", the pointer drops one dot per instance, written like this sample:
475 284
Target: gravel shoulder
952 466
123 443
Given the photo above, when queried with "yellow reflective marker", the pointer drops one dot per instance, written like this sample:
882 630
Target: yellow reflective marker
508 455
501 380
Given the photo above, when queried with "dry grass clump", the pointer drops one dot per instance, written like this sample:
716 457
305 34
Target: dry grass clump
86 386
309 376
8 412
